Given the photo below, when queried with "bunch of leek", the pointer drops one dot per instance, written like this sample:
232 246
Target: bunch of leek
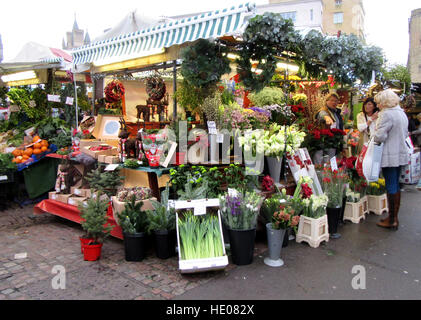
200 237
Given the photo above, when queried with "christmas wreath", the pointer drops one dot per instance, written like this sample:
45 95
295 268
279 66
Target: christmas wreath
155 87
114 91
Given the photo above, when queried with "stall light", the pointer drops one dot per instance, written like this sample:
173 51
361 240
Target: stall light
258 71
26 75
290 67
232 56
116 59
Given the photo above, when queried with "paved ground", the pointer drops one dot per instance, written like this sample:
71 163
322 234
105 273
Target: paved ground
391 260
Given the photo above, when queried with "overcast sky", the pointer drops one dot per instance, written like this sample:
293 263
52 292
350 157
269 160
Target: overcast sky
46 21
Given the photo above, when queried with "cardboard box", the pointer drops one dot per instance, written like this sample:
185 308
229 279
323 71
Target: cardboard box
96 154
74 201
108 159
52 195
118 206
204 264
63 197
80 192
89 142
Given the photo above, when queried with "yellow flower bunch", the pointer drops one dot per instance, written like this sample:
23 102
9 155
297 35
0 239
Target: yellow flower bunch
382 182
248 111
374 185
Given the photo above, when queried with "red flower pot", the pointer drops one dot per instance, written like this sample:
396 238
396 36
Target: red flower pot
92 252
84 241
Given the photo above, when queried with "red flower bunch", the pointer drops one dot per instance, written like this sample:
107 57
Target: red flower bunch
114 91
268 183
327 180
338 131
299 108
326 132
316 134
306 191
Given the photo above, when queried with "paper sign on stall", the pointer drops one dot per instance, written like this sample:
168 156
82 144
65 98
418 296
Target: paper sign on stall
111 167
200 207
69 100
334 164
220 138
212 127
53 97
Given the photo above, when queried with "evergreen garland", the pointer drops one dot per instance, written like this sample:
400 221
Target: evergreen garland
105 181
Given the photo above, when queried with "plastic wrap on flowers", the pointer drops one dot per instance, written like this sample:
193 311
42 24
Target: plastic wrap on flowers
153 145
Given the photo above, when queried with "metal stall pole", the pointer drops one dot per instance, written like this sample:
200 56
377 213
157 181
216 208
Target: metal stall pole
175 90
74 82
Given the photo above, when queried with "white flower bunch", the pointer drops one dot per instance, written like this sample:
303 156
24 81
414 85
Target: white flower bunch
318 202
352 196
252 141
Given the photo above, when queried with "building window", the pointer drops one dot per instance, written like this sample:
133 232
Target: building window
311 14
338 3
338 17
289 15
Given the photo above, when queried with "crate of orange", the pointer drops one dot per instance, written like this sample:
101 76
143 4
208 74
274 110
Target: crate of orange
32 153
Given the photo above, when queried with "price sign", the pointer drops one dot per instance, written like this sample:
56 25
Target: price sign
212 127
200 207
69 101
53 97
333 164
111 167
220 138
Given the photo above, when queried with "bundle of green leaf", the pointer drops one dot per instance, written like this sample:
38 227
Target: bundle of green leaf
105 181
193 193
47 129
162 217
270 206
131 163
6 164
200 236
132 219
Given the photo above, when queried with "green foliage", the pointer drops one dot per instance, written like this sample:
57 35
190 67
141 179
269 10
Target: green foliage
267 97
398 75
47 128
236 178
105 181
204 64
131 163
62 139
192 193
265 37
270 206
162 217
95 219
3 96
191 97
200 236
132 219
210 107
6 164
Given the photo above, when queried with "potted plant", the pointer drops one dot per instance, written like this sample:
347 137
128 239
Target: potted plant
354 207
313 226
333 186
162 224
377 199
239 211
95 219
134 223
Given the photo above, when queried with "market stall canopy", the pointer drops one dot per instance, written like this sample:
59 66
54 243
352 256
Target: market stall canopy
154 40
36 56
133 22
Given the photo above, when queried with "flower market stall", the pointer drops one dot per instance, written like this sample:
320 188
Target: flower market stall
239 148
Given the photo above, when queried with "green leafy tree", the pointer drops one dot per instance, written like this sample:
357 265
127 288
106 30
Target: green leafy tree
398 75
132 219
95 219
105 181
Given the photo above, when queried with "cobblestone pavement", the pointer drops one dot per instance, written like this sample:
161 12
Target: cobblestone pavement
49 241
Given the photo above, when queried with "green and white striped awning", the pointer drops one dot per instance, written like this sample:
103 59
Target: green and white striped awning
207 25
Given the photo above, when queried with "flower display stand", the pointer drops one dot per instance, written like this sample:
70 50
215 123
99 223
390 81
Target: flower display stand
364 200
354 211
378 204
312 231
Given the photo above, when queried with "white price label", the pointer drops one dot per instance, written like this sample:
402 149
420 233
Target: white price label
78 192
54 197
220 138
200 207
3 178
333 164
69 100
212 127
232 192
111 167
53 97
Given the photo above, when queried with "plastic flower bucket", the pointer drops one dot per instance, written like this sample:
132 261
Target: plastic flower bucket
91 252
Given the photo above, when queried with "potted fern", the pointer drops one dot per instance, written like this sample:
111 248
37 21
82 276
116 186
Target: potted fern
162 225
134 223
95 226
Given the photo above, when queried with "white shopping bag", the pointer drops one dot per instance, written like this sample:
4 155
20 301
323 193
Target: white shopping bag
372 161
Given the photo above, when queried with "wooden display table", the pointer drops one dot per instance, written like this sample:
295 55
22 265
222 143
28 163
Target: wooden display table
72 213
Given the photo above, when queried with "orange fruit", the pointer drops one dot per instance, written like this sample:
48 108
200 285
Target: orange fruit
17 160
25 157
28 152
44 143
17 152
37 146
37 151
36 138
43 148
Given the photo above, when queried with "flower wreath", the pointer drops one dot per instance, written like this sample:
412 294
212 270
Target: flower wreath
155 87
114 91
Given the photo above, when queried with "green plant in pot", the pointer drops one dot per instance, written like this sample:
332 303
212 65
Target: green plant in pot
162 225
134 223
94 215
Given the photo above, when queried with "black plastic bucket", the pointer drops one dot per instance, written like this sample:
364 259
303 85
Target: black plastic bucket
242 246
134 246
165 243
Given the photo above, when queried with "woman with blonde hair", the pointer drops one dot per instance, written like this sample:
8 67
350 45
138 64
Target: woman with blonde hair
330 115
392 130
